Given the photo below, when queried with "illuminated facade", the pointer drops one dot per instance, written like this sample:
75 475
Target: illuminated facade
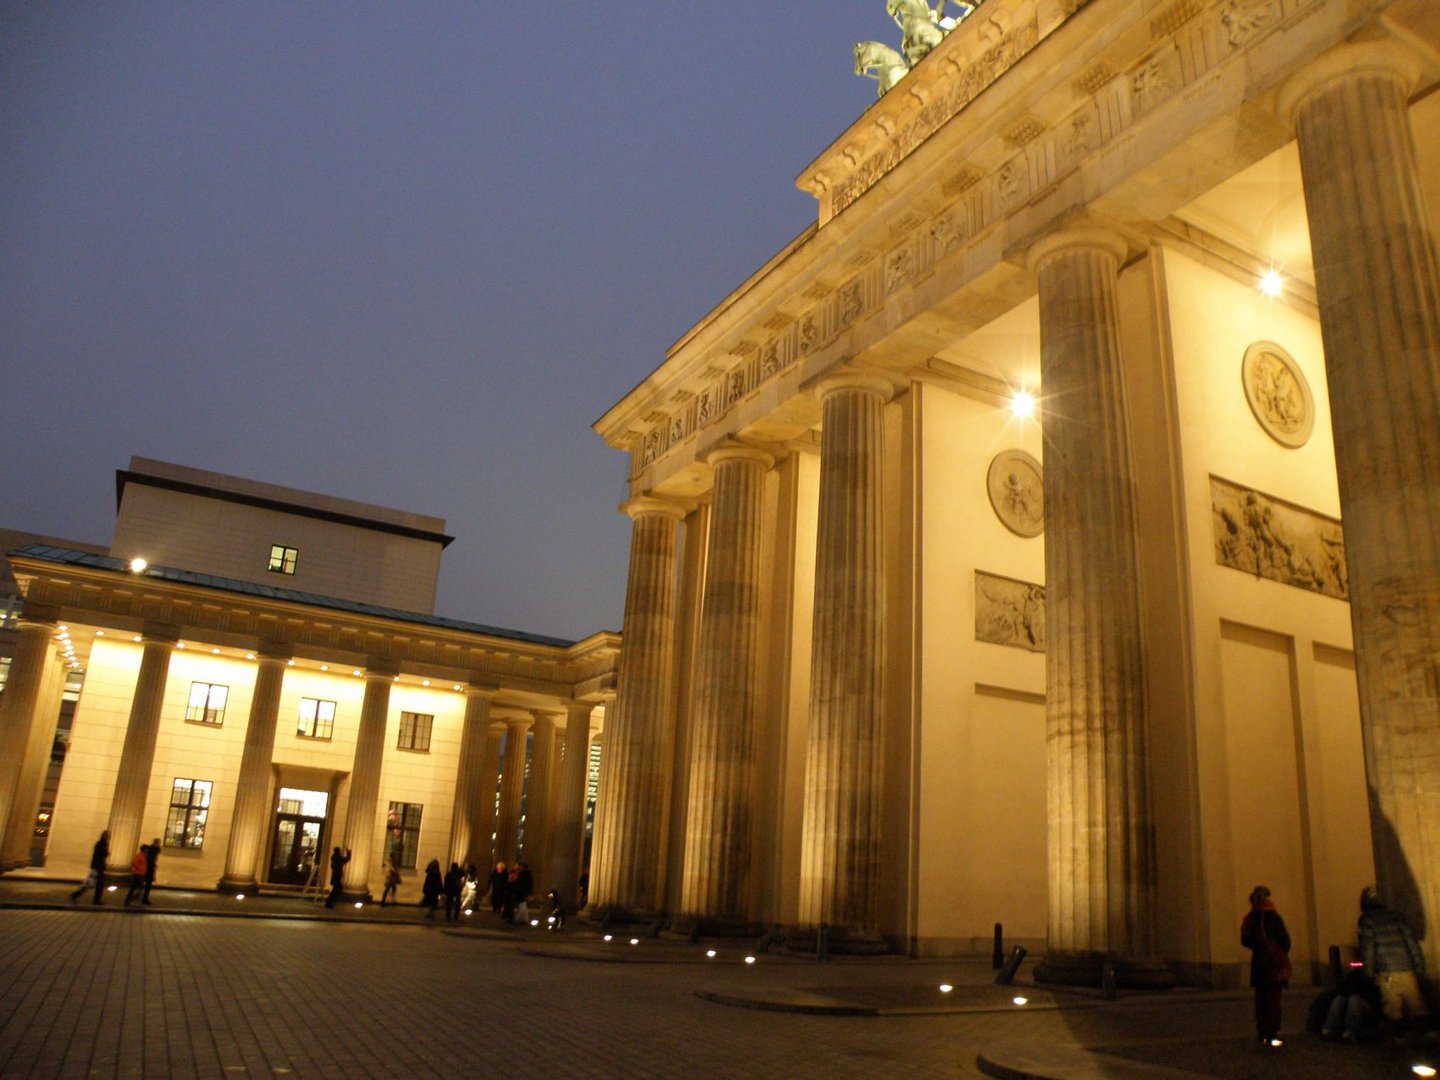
272 683
904 663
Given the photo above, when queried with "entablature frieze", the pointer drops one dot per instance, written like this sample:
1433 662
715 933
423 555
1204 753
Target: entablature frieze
1094 113
83 595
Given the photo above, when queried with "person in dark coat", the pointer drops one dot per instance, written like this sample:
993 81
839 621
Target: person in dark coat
1263 933
337 875
98 856
524 889
499 878
152 860
1392 957
432 888
454 879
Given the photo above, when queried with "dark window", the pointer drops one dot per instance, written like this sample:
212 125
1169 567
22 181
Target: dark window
415 731
189 807
317 718
282 559
207 703
404 833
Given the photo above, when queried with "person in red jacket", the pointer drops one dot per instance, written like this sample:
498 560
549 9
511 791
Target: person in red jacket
1263 933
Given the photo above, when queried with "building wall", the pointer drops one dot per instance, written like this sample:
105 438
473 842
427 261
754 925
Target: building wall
1280 772
205 752
980 733
233 540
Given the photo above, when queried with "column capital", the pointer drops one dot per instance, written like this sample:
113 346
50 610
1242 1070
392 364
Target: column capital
740 452
1089 237
1345 63
647 505
579 708
273 652
37 622
839 381
488 691
548 716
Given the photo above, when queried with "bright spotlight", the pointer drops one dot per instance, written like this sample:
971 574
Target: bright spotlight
710 953
1422 1070
1022 404
945 988
634 941
1020 1000
749 959
358 905
1271 283
239 896
608 936
137 566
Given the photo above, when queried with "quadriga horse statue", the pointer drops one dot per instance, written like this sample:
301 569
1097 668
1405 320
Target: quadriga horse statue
880 62
921 25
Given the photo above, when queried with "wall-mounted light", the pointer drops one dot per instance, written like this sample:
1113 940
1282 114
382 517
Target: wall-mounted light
1022 404
1272 283
138 565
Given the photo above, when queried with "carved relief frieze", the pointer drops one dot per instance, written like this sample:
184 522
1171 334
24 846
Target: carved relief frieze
1009 612
809 332
1245 20
899 267
769 358
1155 79
1277 540
1174 17
849 303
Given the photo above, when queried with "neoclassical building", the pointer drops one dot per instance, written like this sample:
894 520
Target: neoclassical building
1050 534
271 682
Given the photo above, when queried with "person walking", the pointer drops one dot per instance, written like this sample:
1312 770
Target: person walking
152 859
432 888
1392 957
138 865
498 880
392 879
337 874
452 884
1263 933
96 876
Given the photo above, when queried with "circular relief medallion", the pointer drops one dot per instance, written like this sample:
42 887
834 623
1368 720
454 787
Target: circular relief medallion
1015 492
1278 394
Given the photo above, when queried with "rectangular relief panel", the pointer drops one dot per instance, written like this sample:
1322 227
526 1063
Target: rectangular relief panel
1275 539
1009 612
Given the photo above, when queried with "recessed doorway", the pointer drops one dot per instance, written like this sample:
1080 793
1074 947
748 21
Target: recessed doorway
295 844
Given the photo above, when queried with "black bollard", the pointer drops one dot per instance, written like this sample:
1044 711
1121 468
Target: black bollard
822 942
1012 965
1107 982
997 958
695 932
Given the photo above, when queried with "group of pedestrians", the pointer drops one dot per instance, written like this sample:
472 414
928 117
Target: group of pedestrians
1381 991
142 871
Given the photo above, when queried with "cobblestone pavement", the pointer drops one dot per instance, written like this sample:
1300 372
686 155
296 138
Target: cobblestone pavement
115 993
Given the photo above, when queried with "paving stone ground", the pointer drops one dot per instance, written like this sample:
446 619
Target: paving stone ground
112 993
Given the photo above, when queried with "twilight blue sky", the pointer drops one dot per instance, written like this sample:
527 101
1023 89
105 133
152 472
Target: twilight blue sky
399 252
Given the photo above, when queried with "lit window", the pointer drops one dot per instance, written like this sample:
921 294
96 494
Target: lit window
403 839
207 703
415 731
189 807
317 718
282 559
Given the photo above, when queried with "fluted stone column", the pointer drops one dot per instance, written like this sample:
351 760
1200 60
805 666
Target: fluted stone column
628 861
361 810
1378 287
467 844
538 811
19 708
716 884
512 790
1101 846
486 841
252 808
19 834
840 850
137 755
568 833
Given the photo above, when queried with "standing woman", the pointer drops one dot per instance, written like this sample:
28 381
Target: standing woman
1263 933
432 888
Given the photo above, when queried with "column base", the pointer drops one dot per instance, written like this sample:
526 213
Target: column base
613 914
1088 969
249 886
720 926
839 940
13 864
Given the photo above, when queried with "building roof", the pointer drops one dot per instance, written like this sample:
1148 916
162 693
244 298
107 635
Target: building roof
236 489
68 557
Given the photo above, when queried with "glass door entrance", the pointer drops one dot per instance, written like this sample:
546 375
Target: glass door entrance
295 846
